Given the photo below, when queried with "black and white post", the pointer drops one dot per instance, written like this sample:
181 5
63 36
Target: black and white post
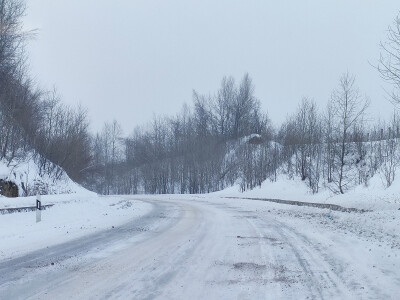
38 208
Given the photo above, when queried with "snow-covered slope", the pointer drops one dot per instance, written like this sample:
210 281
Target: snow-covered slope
372 197
376 164
31 180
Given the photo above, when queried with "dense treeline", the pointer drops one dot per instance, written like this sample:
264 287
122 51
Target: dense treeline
220 140
32 121
186 153
225 139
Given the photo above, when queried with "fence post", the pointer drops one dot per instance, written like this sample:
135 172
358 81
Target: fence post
38 208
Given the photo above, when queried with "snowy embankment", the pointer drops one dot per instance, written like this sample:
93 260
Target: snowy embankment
31 179
373 197
71 217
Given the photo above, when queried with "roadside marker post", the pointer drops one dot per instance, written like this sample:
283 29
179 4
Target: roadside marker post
38 209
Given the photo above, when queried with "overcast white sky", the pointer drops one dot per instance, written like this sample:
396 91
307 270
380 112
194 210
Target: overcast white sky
129 60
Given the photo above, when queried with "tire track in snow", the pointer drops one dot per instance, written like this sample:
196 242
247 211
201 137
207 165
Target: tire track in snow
24 268
324 268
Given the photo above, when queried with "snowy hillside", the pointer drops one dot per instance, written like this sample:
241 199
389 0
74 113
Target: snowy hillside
370 171
30 179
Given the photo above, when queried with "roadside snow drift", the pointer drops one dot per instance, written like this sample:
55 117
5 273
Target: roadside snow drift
71 217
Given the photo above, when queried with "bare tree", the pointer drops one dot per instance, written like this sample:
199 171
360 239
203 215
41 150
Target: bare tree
329 153
110 140
348 106
389 61
244 107
222 106
390 155
12 37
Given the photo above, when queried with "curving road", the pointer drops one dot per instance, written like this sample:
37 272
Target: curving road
196 249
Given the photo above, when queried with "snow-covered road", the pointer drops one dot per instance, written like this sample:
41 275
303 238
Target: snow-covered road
205 248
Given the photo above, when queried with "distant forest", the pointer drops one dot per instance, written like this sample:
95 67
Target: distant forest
220 140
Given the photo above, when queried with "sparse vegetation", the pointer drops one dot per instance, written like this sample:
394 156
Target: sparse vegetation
220 140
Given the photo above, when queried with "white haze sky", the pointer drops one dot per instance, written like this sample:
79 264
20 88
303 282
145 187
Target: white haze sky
131 60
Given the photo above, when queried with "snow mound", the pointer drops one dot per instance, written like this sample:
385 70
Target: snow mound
31 179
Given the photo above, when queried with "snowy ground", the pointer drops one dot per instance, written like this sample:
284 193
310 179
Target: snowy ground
372 197
197 247
71 217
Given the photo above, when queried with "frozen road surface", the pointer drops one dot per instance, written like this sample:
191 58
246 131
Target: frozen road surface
204 248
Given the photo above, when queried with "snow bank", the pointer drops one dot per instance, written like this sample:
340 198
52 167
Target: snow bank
372 197
72 216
